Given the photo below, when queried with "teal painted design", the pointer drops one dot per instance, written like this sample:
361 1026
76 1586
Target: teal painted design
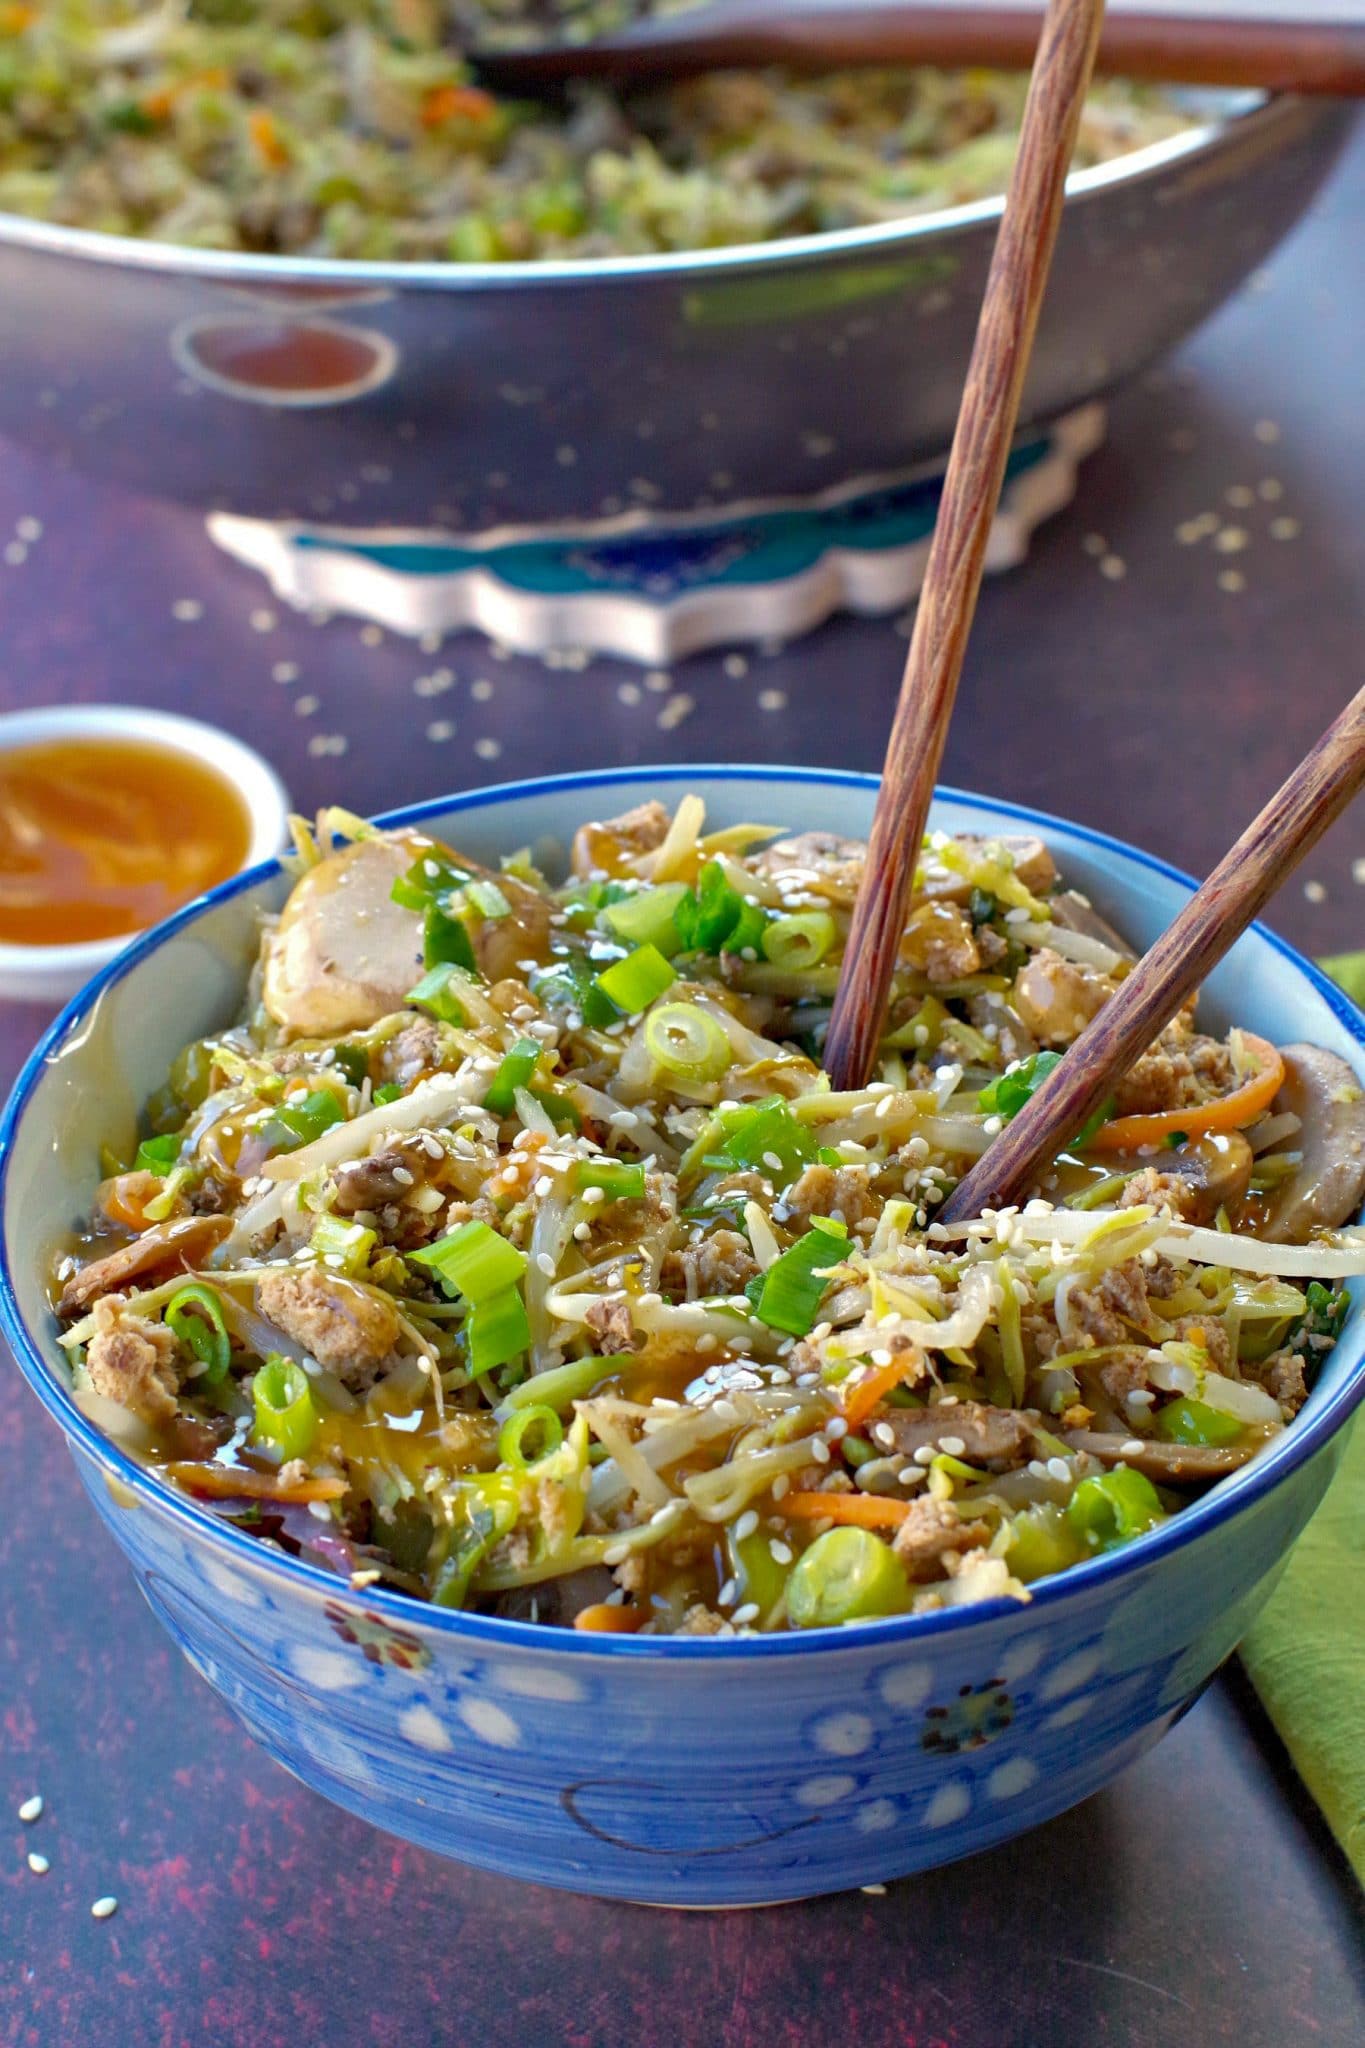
762 548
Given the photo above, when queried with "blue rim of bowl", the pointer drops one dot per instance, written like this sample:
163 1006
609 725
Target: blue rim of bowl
1237 108
1295 1447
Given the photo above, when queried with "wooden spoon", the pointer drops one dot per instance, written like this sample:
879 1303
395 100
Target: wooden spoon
1309 46
1218 913
971 490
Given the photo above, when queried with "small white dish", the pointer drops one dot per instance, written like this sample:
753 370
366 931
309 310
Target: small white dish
41 974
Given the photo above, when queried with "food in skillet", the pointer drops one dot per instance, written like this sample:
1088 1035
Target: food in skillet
514 1250
350 128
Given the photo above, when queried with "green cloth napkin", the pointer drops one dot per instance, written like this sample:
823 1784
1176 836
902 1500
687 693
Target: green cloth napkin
1306 1650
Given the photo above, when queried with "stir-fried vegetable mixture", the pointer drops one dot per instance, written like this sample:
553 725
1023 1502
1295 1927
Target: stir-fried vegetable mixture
352 128
515 1250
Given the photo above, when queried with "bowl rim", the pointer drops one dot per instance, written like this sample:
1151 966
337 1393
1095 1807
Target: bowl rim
1293 1449
1226 112
259 787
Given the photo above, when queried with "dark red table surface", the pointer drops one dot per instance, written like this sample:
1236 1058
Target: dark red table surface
1152 686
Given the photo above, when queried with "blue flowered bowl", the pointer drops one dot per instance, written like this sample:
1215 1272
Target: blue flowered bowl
690 1772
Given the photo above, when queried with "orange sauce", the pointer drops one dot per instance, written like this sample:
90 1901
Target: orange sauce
99 838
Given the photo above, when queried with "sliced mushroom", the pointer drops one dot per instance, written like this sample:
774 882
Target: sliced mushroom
1166 1464
344 954
1327 1187
1213 1172
1072 911
185 1241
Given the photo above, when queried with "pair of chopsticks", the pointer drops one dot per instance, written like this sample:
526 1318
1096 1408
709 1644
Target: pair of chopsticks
1244 880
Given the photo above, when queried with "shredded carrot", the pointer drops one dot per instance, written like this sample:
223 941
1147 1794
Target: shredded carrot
871 1389
1224 1113
600 1619
867 1510
15 19
456 103
220 1482
158 105
269 142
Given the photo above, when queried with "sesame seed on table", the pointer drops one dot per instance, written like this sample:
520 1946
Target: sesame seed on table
1176 640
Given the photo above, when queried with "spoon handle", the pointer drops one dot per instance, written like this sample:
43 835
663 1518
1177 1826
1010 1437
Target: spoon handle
1273 45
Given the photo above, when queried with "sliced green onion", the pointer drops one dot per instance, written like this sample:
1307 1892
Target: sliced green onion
353 1061
436 994
445 940
788 1296
1112 1508
537 1421
648 918
299 1123
1007 1094
1187 1421
848 1574
621 1180
571 985
388 1091
714 917
195 1315
684 1039
514 1071
801 940
746 933
497 1330
562 1385
1042 1541
344 1247
490 1503
487 898
768 1138
759 1579
558 1108
285 1416
473 1261
158 1155
427 881
633 983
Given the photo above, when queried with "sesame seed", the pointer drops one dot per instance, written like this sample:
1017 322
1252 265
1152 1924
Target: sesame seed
103 1908
1058 1468
617 1554
836 1429
779 1551
925 1454
32 1808
1315 892
746 1524
728 1594
885 1435
1113 567
744 1615
873 1891
38 1863
582 1231
820 1451
1132 1449
546 1264
953 1445
781 1486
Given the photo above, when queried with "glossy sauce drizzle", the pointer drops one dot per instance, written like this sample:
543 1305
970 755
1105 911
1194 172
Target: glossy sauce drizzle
99 838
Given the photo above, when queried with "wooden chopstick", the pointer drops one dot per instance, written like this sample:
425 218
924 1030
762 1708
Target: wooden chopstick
1218 913
971 491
